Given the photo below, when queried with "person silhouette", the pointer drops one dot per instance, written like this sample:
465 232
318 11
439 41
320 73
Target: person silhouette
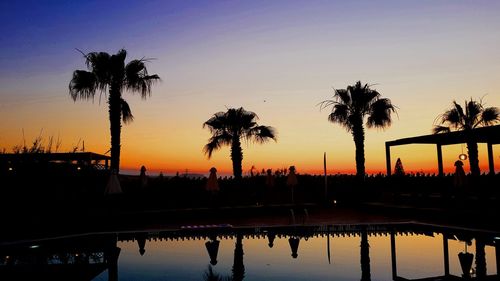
291 181
269 179
459 177
143 178
212 183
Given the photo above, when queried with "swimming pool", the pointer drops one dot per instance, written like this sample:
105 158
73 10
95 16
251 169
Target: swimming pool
223 252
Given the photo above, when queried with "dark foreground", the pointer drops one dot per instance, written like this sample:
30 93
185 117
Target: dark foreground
65 227
51 200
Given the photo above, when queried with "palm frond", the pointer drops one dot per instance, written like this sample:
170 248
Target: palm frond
340 115
380 113
453 117
137 78
217 122
459 110
261 134
121 54
216 142
83 85
326 103
473 111
99 63
126 112
490 116
343 96
440 129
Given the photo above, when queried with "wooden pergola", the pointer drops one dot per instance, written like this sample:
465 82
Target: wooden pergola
88 158
489 135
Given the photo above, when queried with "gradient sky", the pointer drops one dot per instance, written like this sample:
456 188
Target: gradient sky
276 58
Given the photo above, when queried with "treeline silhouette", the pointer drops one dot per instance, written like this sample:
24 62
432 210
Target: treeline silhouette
47 188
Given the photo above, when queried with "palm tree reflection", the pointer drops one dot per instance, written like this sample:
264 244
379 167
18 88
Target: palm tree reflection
238 266
480 259
212 249
141 242
270 237
294 246
365 256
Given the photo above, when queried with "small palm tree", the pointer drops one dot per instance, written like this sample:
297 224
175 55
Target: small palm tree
228 128
475 115
110 72
349 108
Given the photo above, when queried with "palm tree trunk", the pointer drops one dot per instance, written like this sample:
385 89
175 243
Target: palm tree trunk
358 134
365 257
480 260
473 158
237 157
114 102
238 266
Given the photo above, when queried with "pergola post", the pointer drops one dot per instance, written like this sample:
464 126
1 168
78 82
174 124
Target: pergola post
440 160
497 255
446 255
491 164
388 158
393 256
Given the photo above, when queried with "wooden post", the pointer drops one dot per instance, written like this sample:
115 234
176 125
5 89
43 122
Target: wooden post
446 255
440 160
491 164
393 256
497 254
112 262
388 158
326 177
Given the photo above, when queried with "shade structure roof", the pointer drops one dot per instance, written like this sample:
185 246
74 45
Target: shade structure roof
490 134
70 156
85 158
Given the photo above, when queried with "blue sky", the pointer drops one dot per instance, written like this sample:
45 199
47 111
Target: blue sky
277 58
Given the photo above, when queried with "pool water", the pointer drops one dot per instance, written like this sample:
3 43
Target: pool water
336 252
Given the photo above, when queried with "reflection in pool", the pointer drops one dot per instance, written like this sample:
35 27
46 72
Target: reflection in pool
334 252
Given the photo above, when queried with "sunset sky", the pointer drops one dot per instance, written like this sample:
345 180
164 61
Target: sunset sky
276 58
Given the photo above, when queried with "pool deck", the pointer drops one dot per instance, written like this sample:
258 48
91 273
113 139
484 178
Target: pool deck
113 220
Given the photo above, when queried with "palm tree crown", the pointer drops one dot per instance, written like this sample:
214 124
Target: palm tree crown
475 115
349 108
109 72
228 128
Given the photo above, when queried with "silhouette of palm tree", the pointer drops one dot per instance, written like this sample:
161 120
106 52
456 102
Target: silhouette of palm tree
228 128
365 256
350 106
474 116
238 270
238 266
110 71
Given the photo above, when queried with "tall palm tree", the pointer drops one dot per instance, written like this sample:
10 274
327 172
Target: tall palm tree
105 72
474 116
349 108
228 128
